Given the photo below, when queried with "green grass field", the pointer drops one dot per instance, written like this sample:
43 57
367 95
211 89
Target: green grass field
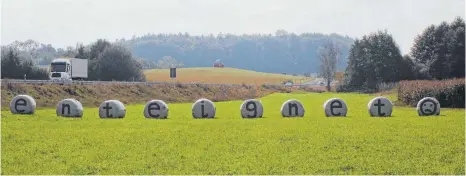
357 144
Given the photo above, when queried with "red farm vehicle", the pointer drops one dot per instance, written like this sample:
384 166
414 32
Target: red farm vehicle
217 63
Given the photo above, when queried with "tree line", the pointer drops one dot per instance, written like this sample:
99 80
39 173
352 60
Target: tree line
437 53
107 61
282 52
110 61
21 59
15 67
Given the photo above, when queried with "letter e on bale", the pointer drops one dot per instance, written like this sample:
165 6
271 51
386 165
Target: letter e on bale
23 104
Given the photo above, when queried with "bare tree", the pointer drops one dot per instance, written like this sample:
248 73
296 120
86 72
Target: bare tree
328 55
169 62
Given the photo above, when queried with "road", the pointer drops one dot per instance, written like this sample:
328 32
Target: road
314 82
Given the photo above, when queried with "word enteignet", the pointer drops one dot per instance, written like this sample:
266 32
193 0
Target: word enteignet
205 108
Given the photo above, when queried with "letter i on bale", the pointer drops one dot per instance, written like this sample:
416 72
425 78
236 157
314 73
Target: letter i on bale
335 107
23 104
203 108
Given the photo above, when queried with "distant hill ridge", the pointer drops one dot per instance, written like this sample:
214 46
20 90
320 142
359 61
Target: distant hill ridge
280 53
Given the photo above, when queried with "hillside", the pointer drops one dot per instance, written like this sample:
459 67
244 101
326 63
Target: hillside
280 53
220 76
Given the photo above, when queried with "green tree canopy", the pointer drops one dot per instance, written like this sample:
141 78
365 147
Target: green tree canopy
374 59
113 62
15 67
440 49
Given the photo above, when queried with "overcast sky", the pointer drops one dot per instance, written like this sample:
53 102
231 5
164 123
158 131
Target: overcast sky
65 22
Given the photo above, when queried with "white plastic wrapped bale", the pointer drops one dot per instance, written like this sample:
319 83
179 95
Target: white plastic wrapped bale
112 109
335 107
69 108
380 107
251 108
156 109
292 108
23 104
203 108
428 106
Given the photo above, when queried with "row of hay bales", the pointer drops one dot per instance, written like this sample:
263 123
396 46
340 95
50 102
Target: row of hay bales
205 108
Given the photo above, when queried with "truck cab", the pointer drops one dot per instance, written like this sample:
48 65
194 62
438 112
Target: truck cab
68 69
60 69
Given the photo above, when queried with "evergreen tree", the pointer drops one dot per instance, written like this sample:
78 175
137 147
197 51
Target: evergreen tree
440 49
15 67
372 60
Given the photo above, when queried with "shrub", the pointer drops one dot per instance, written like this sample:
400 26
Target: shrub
450 93
179 85
364 88
37 74
15 67
350 88
311 89
386 86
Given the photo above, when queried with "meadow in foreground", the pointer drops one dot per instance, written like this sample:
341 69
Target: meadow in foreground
357 144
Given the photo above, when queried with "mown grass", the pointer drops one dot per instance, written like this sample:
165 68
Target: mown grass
228 144
220 76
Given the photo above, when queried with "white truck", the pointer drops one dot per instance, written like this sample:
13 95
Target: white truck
68 69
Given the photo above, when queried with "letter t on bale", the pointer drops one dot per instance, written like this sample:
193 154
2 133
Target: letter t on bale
112 109
380 107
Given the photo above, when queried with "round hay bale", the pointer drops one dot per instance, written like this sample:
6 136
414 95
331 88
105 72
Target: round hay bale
112 109
156 109
380 107
23 104
428 106
251 108
292 108
203 108
335 107
69 108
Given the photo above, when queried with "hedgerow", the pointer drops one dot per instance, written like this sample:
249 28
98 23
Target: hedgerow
450 93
